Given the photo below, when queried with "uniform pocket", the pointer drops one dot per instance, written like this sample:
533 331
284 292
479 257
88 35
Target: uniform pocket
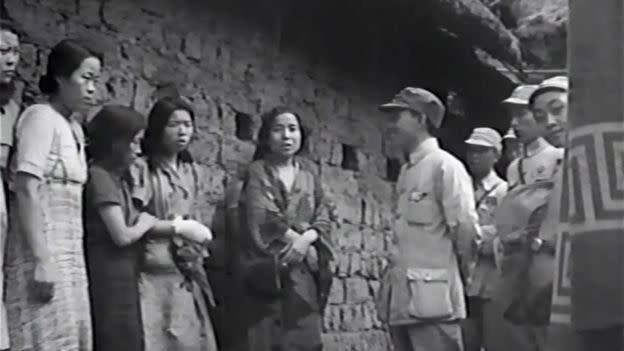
430 293
420 210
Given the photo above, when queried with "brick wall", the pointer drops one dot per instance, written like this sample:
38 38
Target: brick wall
232 72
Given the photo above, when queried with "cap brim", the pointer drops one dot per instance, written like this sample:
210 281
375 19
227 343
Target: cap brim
393 106
546 88
515 101
479 143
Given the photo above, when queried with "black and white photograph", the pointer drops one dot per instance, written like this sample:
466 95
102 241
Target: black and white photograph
325 175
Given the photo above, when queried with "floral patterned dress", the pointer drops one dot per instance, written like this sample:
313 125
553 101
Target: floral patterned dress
283 304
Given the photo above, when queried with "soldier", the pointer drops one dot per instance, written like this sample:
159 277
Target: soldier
539 159
485 326
422 295
9 110
533 206
549 104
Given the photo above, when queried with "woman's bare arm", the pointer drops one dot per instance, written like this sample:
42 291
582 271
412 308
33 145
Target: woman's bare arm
120 232
30 214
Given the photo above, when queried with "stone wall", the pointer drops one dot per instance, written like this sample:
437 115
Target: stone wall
232 72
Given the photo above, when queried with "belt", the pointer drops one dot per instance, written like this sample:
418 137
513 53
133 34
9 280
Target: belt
524 245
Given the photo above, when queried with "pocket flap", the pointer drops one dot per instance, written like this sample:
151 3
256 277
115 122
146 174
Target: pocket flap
428 274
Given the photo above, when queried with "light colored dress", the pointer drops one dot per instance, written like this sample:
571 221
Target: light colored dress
51 148
174 318
8 116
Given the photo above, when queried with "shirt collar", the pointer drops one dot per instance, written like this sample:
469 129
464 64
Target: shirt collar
490 181
535 147
9 107
423 150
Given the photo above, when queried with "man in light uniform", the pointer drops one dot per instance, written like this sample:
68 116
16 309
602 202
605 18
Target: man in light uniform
539 159
9 110
485 326
535 175
550 105
435 228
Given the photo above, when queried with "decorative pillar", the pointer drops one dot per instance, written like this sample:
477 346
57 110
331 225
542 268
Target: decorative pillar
589 280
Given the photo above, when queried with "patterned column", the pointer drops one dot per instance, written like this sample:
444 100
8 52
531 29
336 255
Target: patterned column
589 279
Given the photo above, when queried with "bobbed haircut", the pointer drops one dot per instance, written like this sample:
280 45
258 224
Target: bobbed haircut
63 60
112 125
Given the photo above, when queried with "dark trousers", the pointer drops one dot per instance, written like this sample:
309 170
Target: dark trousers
486 328
608 339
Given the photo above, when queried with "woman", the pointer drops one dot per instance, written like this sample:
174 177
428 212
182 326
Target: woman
9 110
173 284
285 246
114 228
47 292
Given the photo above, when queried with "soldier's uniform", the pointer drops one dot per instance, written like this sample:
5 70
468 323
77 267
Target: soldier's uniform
539 162
422 297
485 326
531 178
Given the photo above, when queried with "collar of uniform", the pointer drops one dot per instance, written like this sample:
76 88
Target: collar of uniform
535 147
490 181
422 150
9 107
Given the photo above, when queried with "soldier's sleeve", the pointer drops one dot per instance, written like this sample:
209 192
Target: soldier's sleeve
461 217
513 178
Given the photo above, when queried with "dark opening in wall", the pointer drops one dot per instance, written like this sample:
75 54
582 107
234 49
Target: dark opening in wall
363 211
244 126
393 168
349 158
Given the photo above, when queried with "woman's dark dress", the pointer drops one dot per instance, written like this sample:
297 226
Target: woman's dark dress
289 319
113 270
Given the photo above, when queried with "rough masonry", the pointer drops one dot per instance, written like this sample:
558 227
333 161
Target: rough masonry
232 73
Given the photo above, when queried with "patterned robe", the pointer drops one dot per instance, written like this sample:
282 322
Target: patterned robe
283 304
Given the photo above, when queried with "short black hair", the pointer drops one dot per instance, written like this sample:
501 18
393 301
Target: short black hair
112 124
9 26
63 60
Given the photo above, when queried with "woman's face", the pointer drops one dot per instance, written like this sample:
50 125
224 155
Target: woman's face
126 152
178 132
9 56
285 135
78 90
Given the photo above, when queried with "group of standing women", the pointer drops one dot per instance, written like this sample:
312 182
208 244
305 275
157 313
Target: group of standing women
105 248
